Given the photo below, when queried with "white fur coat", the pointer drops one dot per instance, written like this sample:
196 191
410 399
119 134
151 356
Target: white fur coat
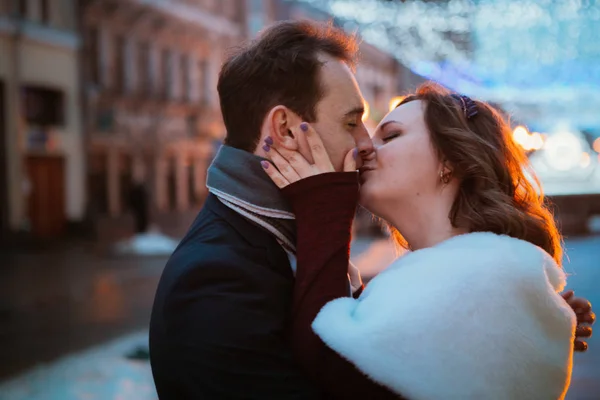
475 317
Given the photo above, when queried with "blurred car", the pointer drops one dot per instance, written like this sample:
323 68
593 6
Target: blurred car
567 164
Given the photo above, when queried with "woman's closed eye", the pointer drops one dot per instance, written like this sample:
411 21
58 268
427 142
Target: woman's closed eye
390 136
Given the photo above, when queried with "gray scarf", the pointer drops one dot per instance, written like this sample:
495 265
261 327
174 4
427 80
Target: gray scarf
239 181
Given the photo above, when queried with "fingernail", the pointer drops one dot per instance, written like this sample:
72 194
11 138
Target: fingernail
580 346
355 153
304 126
266 148
590 318
269 140
264 164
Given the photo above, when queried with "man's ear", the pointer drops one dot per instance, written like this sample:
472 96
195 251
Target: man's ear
280 121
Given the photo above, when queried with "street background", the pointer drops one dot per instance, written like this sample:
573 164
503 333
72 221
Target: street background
79 331
109 118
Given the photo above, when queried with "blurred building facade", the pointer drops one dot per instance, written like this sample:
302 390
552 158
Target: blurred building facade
103 97
42 161
150 70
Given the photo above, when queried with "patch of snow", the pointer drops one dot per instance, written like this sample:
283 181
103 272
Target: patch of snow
147 244
100 373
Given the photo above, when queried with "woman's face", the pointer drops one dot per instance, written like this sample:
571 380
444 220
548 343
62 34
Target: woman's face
406 170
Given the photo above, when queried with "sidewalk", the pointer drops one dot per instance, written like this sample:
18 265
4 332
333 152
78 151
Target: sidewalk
64 300
61 302
100 373
81 300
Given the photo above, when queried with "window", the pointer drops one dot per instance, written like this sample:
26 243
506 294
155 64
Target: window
125 180
153 70
164 73
172 71
44 107
172 183
143 67
105 120
119 65
22 10
45 11
204 85
93 55
3 165
98 183
184 75
193 200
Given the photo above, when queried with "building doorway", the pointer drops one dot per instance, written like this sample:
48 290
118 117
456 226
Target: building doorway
3 165
47 197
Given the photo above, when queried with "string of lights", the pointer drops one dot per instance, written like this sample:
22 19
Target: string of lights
532 51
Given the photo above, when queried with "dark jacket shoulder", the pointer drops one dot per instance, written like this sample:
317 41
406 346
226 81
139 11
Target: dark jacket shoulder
221 242
221 313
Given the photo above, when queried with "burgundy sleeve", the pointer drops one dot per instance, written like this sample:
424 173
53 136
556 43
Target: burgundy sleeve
325 205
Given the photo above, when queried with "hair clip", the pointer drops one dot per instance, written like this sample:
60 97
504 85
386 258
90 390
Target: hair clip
467 105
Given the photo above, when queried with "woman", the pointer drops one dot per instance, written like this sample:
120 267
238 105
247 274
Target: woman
473 312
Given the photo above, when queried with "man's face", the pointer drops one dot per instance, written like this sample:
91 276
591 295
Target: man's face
339 113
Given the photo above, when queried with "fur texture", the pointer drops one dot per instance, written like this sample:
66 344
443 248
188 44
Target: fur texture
475 317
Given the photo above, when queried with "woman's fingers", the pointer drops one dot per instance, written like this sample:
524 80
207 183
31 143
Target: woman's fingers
275 175
583 332
297 162
568 295
283 165
350 160
320 156
580 346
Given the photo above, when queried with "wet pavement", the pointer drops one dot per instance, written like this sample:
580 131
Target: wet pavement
60 310
63 300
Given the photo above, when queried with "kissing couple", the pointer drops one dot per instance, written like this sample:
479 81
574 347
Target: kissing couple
260 300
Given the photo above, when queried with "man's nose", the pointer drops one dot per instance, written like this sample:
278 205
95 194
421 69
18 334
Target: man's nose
364 144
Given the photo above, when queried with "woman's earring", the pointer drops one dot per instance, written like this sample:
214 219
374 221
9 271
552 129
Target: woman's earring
445 177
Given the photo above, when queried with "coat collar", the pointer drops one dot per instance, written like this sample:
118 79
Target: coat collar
254 234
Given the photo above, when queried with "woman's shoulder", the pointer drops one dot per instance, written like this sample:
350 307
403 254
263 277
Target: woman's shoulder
473 292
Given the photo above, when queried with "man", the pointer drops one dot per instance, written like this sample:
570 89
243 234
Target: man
219 321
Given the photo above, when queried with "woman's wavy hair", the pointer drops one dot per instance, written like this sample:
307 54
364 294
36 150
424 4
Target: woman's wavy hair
494 194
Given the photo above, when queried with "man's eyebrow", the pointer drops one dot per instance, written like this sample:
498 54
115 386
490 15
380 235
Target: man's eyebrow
357 110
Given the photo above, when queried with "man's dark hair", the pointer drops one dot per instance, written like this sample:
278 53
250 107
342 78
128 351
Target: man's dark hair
280 67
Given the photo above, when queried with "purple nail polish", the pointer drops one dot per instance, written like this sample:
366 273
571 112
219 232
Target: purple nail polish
266 148
355 153
269 140
304 126
264 164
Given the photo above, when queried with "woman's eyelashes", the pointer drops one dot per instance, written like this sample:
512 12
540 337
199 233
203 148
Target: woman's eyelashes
390 136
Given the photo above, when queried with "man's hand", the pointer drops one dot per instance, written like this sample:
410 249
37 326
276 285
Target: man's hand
583 310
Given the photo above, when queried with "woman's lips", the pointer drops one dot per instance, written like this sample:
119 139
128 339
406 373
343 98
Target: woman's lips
364 168
362 171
